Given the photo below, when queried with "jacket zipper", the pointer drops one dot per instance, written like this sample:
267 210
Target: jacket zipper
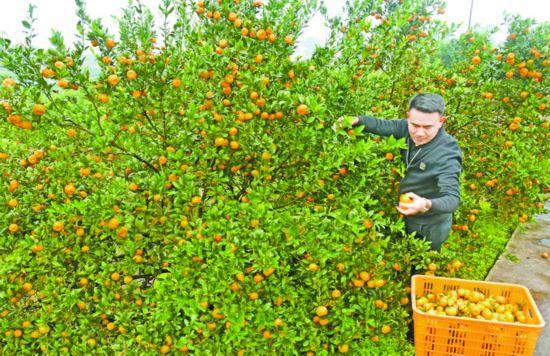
408 163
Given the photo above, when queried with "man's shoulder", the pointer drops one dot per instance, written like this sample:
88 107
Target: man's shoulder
449 139
450 145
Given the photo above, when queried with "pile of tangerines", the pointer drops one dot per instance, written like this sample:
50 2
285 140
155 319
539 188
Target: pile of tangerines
471 304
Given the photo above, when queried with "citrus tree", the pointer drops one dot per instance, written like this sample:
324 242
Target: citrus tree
192 196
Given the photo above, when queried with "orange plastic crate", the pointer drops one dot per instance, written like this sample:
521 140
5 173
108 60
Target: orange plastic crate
451 335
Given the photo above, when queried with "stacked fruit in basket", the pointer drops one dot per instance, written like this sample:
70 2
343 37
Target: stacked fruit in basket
472 304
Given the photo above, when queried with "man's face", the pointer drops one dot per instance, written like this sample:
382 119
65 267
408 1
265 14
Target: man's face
423 126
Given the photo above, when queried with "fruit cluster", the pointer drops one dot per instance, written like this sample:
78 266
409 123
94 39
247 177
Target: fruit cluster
471 304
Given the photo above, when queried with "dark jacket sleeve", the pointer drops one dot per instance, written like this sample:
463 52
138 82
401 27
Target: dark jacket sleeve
397 128
448 184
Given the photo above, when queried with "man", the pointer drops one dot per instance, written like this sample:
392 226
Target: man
433 163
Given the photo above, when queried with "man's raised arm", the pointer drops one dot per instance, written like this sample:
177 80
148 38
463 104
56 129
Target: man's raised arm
397 128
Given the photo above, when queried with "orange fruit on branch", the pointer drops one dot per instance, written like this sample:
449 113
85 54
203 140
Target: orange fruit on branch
321 311
302 109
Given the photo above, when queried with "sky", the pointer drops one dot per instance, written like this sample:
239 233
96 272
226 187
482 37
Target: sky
61 15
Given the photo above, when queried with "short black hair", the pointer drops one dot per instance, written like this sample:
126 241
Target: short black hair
428 103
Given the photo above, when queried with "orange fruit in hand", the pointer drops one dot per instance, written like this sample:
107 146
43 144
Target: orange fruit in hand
404 198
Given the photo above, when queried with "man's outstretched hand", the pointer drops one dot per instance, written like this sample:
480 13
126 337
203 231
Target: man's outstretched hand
344 121
415 204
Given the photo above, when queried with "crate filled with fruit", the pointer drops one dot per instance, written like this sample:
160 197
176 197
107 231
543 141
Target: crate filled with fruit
466 317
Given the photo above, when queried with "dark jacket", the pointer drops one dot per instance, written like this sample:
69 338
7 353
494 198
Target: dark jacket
433 169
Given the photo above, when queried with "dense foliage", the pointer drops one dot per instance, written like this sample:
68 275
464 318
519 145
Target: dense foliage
193 196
